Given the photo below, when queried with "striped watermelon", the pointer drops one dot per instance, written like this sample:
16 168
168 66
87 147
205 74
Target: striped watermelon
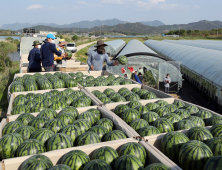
30 96
104 99
48 113
113 95
125 82
162 111
134 104
107 123
150 117
88 138
215 144
192 109
75 159
83 83
184 124
127 162
108 91
100 95
55 125
114 135
161 102
58 84
67 100
90 78
171 107
38 122
122 90
119 99
25 118
148 131
69 91
19 101
21 79
135 90
132 97
120 109
58 105
48 102
42 135
135 149
213 163
54 92
101 83
60 167
30 147
72 110
20 95
20 109
11 127
199 133
9 144
78 79
193 155
216 130
59 141
182 113
62 93
38 107
56 98
138 124
98 165
31 87
179 104
70 83
126 93
72 131
30 104
213 120
197 121
16 87
171 144
107 154
172 117
148 95
203 114
96 113
141 92
45 85
152 106
83 124
80 102
157 166
130 115
96 92
114 83
25 131
47 95
99 130
123 60
66 117
88 116
163 125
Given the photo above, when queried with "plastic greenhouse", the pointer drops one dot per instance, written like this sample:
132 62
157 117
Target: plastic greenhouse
113 48
201 66
154 68
200 44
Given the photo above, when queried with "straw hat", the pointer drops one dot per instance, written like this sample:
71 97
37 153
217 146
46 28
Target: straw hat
62 43
99 43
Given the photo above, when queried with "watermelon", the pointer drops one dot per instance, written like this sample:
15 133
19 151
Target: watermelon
100 95
31 87
216 130
88 138
192 109
213 120
25 131
62 93
75 159
42 135
135 149
126 93
19 101
25 118
163 125
20 109
48 102
72 131
58 84
132 97
79 74
152 106
70 83
123 60
55 125
148 131
83 124
157 166
72 74
215 144
184 124
90 78
79 102
30 96
47 95
213 163
135 90
150 117
162 111
130 115
125 82
171 144
88 116
20 95
78 79
114 135
182 113
104 99
11 127
171 107
9 144
48 113
99 130
141 92
16 87
179 104
142 110
193 155
161 102
107 123
98 165
38 107
72 110
83 83
64 76
120 109
60 167
96 113
59 141
203 114
137 124
199 133
148 95
114 83
113 95
30 147
101 83
21 79
197 121
45 85
66 117
39 98
56 98
122 90
69 91
119 99
58 105
38 122
96 92
54 92
172 117
108 91
134 104
127 162
30 104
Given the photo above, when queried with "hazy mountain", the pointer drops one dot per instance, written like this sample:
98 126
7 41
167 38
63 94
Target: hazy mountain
155 23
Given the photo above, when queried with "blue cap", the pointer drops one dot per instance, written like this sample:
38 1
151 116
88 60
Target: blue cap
51 36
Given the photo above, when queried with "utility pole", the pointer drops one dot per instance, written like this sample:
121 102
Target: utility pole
217 32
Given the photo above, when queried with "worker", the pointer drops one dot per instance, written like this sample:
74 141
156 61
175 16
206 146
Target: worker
167 81
34 58
125 76
140 77
47 52
98 57
140 70
134 74
61 62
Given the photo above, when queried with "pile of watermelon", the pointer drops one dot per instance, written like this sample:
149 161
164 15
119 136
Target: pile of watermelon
130 156
124 94
50 130
53 99
42 82
161 117
198 149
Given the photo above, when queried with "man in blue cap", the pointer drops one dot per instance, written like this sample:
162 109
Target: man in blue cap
47 53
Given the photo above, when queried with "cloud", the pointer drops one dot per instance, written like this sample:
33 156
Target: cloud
196 6
35 6
115 1
156 1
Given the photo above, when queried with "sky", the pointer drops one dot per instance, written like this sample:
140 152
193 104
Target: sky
70 11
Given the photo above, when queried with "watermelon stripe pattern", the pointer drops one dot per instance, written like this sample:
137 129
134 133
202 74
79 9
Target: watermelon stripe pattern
157 166
98 165
213 163
42 134
123 60
72 131
216 130
25 131
148 131
114 135
199 133
11 127
215 144
127 162
60 167
138 124
88 138
163 125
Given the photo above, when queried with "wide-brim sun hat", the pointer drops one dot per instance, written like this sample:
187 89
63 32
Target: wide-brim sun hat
62 43
99 43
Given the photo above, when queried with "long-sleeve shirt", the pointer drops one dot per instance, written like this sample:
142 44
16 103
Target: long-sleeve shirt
166 84
34 58
97 59
141 78
137 79
47 52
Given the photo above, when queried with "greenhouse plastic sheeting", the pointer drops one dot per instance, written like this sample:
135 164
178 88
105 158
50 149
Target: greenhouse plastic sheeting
212 46
203 65
113 48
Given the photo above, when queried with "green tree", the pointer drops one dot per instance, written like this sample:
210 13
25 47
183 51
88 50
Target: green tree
5 49
75 37
189 31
